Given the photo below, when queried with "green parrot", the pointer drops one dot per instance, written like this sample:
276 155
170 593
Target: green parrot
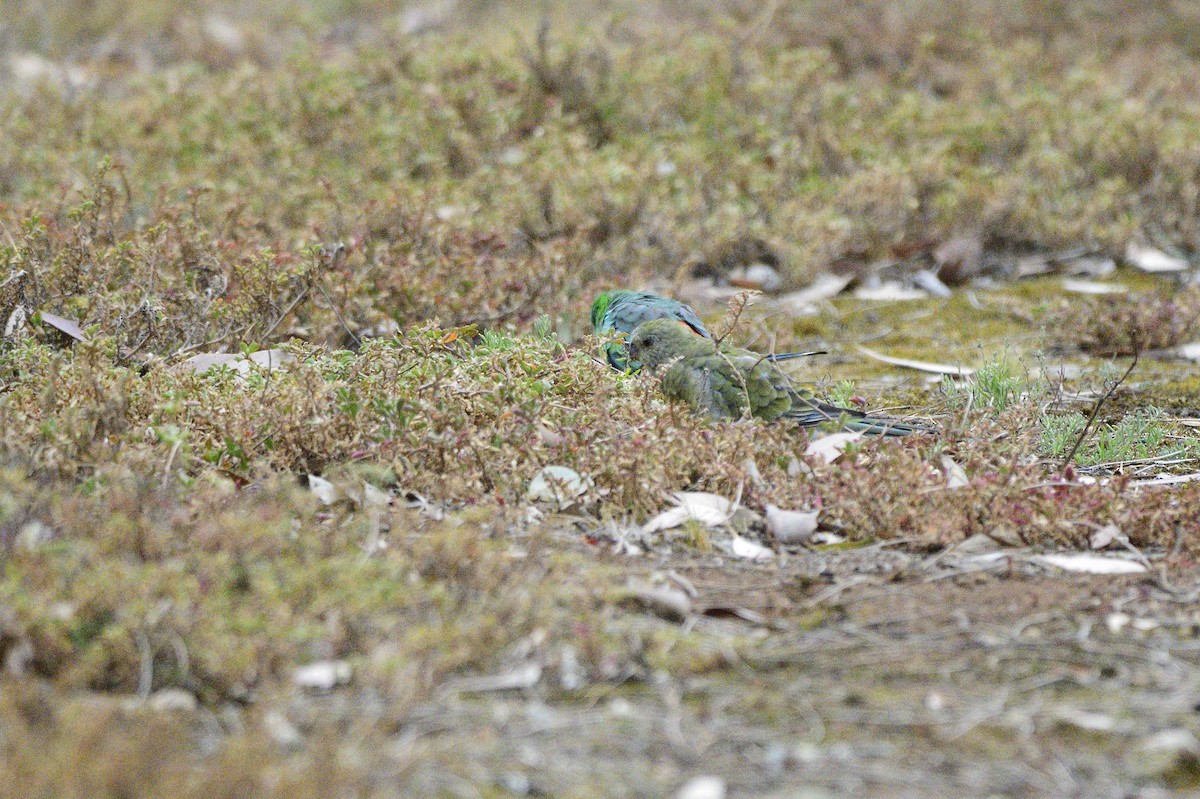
623 311
728 382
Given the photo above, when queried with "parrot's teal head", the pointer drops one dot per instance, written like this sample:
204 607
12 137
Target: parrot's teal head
658 341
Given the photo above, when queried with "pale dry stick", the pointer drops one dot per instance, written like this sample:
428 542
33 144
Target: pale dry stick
190 347
13 278
1055 484
838 588
1157 460
966 411
1005 562
183 661
8 235
166 474
146 665
762 22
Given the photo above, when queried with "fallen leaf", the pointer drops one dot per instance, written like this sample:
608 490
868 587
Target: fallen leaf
791 526
956 477
375 497
1179 739
923 366
271 359
960 258
32 535
978 544
1106 536
1089 265
16 321
322 676
1087 563
751 550
268 359
558 485
1167 480
204 361
1087 720
681 581
929 281
824 287
31 69
282 731
704 787
570 675
752 471
663 600
1032 266
702 291
525 676
322 489
735 612
172 700
708 509
798 468
225 34
1092 287
1151 259
1006 536
891 290
760 277
63 325
830 447
1167 756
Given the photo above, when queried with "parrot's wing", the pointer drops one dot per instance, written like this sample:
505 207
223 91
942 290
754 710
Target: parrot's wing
705 384
767 387
626 313
688 317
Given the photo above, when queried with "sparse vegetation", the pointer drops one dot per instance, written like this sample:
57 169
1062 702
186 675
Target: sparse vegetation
995 386
391 223
1128 324
1143 435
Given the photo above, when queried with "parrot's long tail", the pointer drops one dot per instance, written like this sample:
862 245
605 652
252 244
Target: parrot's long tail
787 356
811 412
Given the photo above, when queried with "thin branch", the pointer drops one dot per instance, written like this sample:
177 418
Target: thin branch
20 274
737 306
338 314
295 301
1096 410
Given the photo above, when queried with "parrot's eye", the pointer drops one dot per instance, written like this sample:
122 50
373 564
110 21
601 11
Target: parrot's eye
648 341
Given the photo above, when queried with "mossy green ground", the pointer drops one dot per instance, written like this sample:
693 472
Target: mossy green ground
416 205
